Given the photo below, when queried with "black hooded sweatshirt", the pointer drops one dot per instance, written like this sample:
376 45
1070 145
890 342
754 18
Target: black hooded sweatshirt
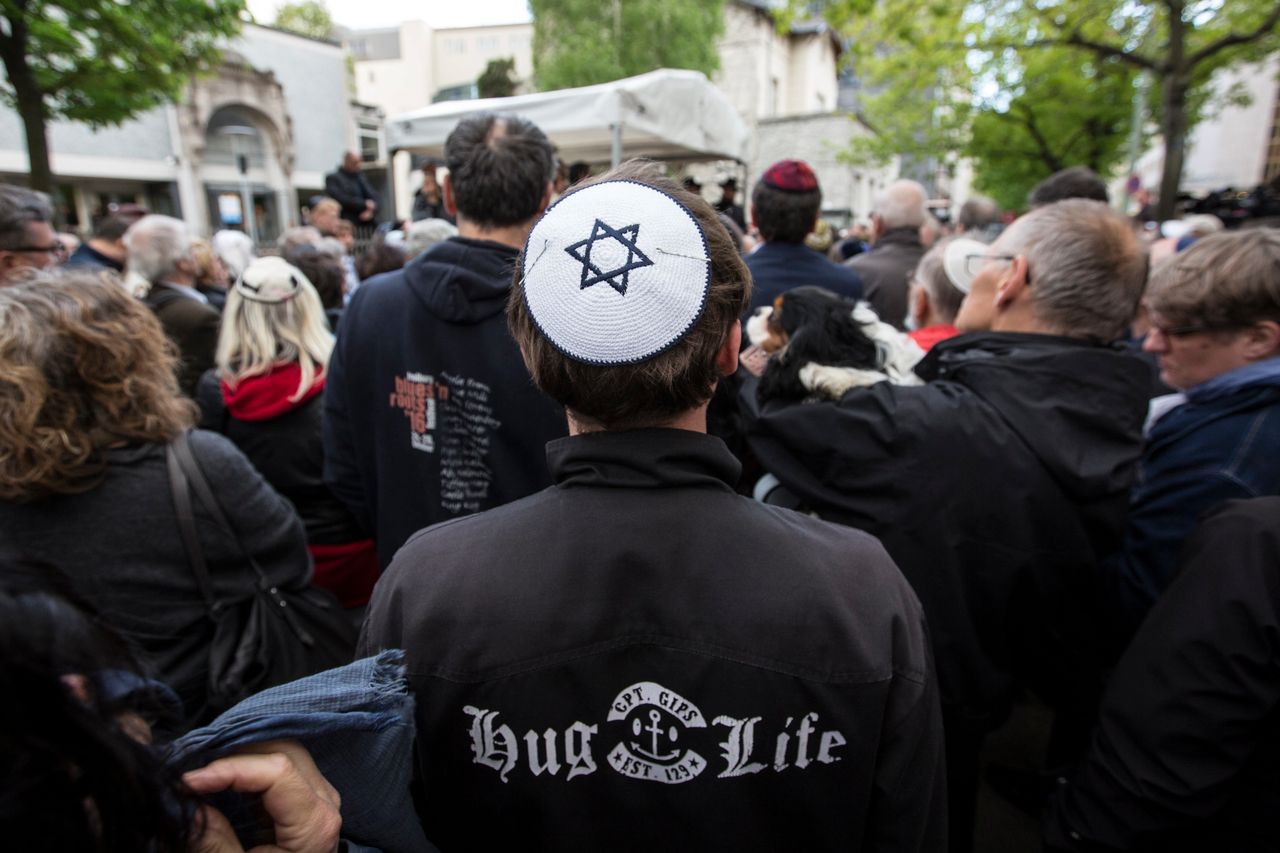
429 411
994 487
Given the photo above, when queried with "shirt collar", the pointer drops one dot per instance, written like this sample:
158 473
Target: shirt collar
189 292
1266 371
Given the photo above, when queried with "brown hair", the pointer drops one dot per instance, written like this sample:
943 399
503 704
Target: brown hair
83 366
652 392
1226 280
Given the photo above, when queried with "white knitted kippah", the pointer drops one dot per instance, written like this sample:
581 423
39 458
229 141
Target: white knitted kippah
616 273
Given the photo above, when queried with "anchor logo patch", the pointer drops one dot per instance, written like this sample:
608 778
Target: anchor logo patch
656 721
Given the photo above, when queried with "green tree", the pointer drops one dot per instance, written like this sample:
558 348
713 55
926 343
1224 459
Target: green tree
306 17
102 61
581 42
1053 110
498 79
1178 43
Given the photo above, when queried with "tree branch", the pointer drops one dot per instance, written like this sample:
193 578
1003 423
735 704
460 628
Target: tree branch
1074 39
1232 39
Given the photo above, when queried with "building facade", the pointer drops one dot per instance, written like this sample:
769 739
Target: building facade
256 137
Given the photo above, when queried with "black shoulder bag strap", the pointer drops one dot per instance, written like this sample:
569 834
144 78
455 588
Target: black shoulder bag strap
181 490
180 447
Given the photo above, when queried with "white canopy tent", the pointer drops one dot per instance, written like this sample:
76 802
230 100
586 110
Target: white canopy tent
666 114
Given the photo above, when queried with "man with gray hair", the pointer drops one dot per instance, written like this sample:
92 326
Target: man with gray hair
998 484
159 251
979 219
895 224
27 239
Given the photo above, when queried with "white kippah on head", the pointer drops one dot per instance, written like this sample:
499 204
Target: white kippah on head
616 273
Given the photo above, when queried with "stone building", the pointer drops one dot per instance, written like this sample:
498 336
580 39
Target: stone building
268 124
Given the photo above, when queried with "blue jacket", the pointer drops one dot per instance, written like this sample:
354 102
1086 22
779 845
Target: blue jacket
1223 443
778 267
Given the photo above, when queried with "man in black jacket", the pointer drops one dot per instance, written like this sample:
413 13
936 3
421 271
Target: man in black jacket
429 412
998 484
1186 756
350 187
639 658
159 250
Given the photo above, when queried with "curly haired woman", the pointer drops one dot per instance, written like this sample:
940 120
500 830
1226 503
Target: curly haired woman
88 403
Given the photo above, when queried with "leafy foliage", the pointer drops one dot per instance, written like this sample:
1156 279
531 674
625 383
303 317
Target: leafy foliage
103 61
306 17
581 42
928 65
498 79
1055 109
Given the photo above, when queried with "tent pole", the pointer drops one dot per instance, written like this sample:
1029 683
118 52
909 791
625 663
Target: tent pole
616 155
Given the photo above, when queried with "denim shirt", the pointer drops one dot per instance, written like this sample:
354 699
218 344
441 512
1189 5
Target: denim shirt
357 723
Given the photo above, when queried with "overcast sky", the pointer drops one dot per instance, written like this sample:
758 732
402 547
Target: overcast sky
359 14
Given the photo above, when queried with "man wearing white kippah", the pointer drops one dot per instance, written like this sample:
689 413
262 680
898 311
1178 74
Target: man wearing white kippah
637 657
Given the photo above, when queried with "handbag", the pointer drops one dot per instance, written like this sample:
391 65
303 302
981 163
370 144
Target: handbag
273 636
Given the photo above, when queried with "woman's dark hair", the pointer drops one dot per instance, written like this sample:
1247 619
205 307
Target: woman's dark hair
379 257
71 778
324 271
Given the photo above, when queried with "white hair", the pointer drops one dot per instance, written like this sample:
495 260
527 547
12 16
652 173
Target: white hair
257 336
236 250
426 233
901 205
155 244
331 246
298 235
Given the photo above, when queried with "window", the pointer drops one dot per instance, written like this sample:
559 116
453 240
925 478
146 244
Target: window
487 43
370 135
455 45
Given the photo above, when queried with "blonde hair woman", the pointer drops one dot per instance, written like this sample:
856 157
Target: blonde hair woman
265 395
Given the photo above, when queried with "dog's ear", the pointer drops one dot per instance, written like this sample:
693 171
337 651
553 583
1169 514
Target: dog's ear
849 343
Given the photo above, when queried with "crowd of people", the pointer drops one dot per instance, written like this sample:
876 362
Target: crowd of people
688 534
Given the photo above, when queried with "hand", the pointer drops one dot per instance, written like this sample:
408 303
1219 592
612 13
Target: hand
370 205
754 359
301 802
366 216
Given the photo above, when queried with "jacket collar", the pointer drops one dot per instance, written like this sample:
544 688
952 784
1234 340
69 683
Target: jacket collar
643 459
899 237
1266 372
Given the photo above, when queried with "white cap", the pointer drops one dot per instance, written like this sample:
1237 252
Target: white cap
616 273
955 261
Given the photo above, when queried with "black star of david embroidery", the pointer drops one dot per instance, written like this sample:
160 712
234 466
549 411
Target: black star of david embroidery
617 278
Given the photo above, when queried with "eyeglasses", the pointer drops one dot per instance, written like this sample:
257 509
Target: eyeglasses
973 263
1193 329
55 249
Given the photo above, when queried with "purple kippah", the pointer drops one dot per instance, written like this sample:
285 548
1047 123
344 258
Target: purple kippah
792 176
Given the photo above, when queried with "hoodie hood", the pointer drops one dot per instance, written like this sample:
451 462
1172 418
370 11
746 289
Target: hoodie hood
1078 406
461 280
267 396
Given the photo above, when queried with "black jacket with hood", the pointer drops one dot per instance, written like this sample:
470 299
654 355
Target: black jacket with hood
994 487
429 411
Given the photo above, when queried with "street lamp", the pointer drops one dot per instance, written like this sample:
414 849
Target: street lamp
237 134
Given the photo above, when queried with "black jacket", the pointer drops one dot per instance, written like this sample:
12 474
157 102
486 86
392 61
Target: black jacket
192 325
638 659
351 190
288 451
1186 755
994 487
429 410
119 542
